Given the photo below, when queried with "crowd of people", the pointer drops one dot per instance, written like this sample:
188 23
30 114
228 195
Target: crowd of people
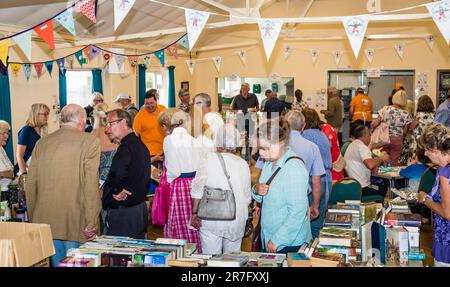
94 174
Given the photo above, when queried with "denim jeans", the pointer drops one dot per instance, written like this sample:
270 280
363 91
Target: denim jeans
61 248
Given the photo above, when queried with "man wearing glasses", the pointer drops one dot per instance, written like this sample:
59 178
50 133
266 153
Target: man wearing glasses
185 99
126 186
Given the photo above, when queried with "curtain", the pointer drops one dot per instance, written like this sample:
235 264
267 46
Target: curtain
5 110
62 89
141 84
171 86
97 81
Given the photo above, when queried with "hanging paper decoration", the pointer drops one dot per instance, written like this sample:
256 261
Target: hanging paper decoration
49 66
88 9
87 51
270 29
45 31
355 28
91 52
106 57
4 48
38 67
337 57
314 55
79 56
15 68
146 59
195 22
24 42
119 61
217 62
400 48
287 49
69 60
160 55
121 9
173 50
369 55
243 56
191 65
60 63
440 12
430 41
184 42
27 70
133 60
66 20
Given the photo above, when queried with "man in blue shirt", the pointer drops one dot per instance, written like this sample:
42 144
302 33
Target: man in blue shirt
273 106
443 112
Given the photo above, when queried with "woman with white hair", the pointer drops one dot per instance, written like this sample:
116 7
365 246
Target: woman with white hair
6 167
398 120
97 98
220 236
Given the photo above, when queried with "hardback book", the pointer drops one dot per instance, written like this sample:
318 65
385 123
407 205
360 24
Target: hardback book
186 262
321 259
190 248
227 260
69 261
261 256
344 208
338 219
313 246
171 241
397 246
298 260
367 212
96 257
116 260
401 219
151 259
175 250
335 237
414 236
378 243
416 254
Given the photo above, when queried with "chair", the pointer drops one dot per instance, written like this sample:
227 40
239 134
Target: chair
427 179
344 189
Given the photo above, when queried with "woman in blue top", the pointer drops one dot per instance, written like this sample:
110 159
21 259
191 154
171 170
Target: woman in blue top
313 133
28 136
285 209
436 142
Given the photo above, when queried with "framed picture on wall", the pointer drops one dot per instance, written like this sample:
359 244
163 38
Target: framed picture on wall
185 86
442 85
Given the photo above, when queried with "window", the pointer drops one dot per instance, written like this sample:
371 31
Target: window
159 81
79 87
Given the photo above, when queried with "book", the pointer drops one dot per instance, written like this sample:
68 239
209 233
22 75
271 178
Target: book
313 246
151 259
324 259
171 241
338 219
96 257
344 208
185 262
378 243
261 256
298 260
190 248
397 246
116 260
401 219
335 237
227 260
367 212
69 261
416 254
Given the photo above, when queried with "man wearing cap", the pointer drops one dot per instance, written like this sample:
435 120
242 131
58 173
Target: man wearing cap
361 108
125 102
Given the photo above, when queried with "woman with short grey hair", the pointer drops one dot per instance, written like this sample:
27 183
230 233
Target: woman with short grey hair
217 236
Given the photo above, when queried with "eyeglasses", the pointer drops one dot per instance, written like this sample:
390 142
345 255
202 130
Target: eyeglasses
110 123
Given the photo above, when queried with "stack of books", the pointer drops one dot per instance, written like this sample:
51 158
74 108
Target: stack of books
232 259
399 206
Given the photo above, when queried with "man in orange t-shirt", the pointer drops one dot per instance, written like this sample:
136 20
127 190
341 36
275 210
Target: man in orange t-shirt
361 108
146 125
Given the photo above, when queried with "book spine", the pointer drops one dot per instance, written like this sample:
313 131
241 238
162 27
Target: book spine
413 256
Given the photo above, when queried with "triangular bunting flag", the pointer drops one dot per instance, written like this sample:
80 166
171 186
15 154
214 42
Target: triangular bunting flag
15 68
79 56
119 61
195 22
287 49
173 50
24 42
337 57
314 55
94 51
60 63
243 56
66 20
4 48
87 52
355 28
3 69
88 9
49 66
146 59
160 55
27 70
400 48
133 60
440 12
106 57
191 66
38 67
217 62
430 41
121 9
184 42
69 60
45 31
270 29
369 55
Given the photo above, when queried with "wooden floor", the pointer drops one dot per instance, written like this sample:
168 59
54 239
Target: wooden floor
426 234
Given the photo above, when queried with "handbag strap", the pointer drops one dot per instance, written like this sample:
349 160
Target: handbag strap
224 168
269 181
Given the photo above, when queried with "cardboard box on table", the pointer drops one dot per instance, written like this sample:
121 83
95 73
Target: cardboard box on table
24 244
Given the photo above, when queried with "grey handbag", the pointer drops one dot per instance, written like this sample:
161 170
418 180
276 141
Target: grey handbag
217 203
